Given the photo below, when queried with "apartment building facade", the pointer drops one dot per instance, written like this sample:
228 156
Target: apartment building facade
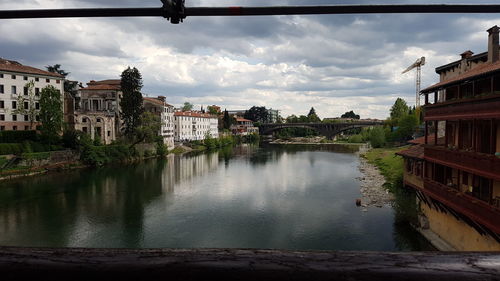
165 111
190 125
456 169
14 77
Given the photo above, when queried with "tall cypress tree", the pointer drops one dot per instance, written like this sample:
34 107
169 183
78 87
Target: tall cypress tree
131 102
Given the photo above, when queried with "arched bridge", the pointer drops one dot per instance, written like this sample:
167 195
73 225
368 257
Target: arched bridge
328 130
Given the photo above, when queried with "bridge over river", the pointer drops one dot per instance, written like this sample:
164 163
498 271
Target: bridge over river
328 130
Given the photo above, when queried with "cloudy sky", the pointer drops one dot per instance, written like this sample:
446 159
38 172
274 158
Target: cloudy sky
334 63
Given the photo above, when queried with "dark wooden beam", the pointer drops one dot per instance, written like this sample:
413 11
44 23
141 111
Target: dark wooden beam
242 264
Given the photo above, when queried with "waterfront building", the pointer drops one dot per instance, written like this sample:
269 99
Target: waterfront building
192 125
13 79
165 111
237 113
456 169
272 115
243 127
97 110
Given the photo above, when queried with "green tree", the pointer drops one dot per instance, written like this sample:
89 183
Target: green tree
312 116
51 113
131 102
31 111
187 106
407 126
69 86
257 114
213 110
227 120
377 137
148 128
350 114
398 110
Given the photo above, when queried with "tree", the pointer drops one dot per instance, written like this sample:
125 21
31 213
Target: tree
56 68
257 114
148 127
30 110
227 120
407 126
51 113
213 110
377 137
187 106
131 102
68 85
313 118
398 110
350 114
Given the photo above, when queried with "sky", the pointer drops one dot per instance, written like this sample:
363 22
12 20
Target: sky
334 63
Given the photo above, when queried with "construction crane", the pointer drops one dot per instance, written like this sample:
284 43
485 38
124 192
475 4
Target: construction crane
418 65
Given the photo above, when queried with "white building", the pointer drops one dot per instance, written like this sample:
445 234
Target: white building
190 126
13 79
159 107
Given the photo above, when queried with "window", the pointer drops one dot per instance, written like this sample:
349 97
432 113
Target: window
37 79
26 128
2 128
37 118
47 80
1 89
13 90
25 91
14 117
84 120
37 91
1 104
37 105
1 75
26 105
25 78
109 133
14 128
58 81
13 76
14 105
2 117
26 118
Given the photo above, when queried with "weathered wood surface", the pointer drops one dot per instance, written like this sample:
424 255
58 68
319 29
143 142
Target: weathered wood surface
242 264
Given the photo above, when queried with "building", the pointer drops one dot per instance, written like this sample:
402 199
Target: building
13 79
272 115
165 111
456 169
97 110
238 113
243 127
191 125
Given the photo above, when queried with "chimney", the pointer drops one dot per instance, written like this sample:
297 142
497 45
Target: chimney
493 44
464 63
162 98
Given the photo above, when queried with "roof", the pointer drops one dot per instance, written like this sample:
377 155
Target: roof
101 87
482 56
194 114
415 151
156 101
243 120
105 82
481 70
14 66
421 140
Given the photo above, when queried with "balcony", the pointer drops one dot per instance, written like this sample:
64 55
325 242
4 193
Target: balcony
481 164
472 207
472 108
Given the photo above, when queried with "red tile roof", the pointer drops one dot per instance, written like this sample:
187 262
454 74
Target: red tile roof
156 101
102 87
105 82
415 151
487 68
194 114
243 120
14 66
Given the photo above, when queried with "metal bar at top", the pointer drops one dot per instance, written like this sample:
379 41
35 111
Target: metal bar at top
250 11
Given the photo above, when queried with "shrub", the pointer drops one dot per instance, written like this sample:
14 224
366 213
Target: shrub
377 137
70 138
17 136
100 155
161 149
11 148
355 139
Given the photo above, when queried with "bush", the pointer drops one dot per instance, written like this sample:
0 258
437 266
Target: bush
161 149
11 148
70 138
377 137
355 139
17 136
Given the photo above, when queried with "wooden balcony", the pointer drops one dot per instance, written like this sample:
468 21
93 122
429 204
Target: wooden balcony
485 107
470 206
481 164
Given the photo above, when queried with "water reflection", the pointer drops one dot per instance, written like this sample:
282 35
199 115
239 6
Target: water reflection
290 197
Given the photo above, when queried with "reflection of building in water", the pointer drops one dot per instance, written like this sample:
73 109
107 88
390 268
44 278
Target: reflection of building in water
190 167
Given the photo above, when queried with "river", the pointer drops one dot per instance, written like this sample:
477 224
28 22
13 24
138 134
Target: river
274 197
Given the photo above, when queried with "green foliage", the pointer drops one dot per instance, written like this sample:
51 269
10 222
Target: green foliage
26 147
257 114
17 136
390 165
97 141
178 150
407 126
148 127
70 138
227 120
355 139
101 155
131 102
213 110
350 114
31 111
398 110
377 137
11 148
187 106
161 149
251 138
51 113
312 116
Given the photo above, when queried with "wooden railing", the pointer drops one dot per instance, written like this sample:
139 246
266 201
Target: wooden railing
481 164
475 108
242 264
472 207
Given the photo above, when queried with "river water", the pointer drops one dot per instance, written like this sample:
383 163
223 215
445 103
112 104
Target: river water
277 197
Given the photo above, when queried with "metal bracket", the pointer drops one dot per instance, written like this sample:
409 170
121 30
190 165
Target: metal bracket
173 10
